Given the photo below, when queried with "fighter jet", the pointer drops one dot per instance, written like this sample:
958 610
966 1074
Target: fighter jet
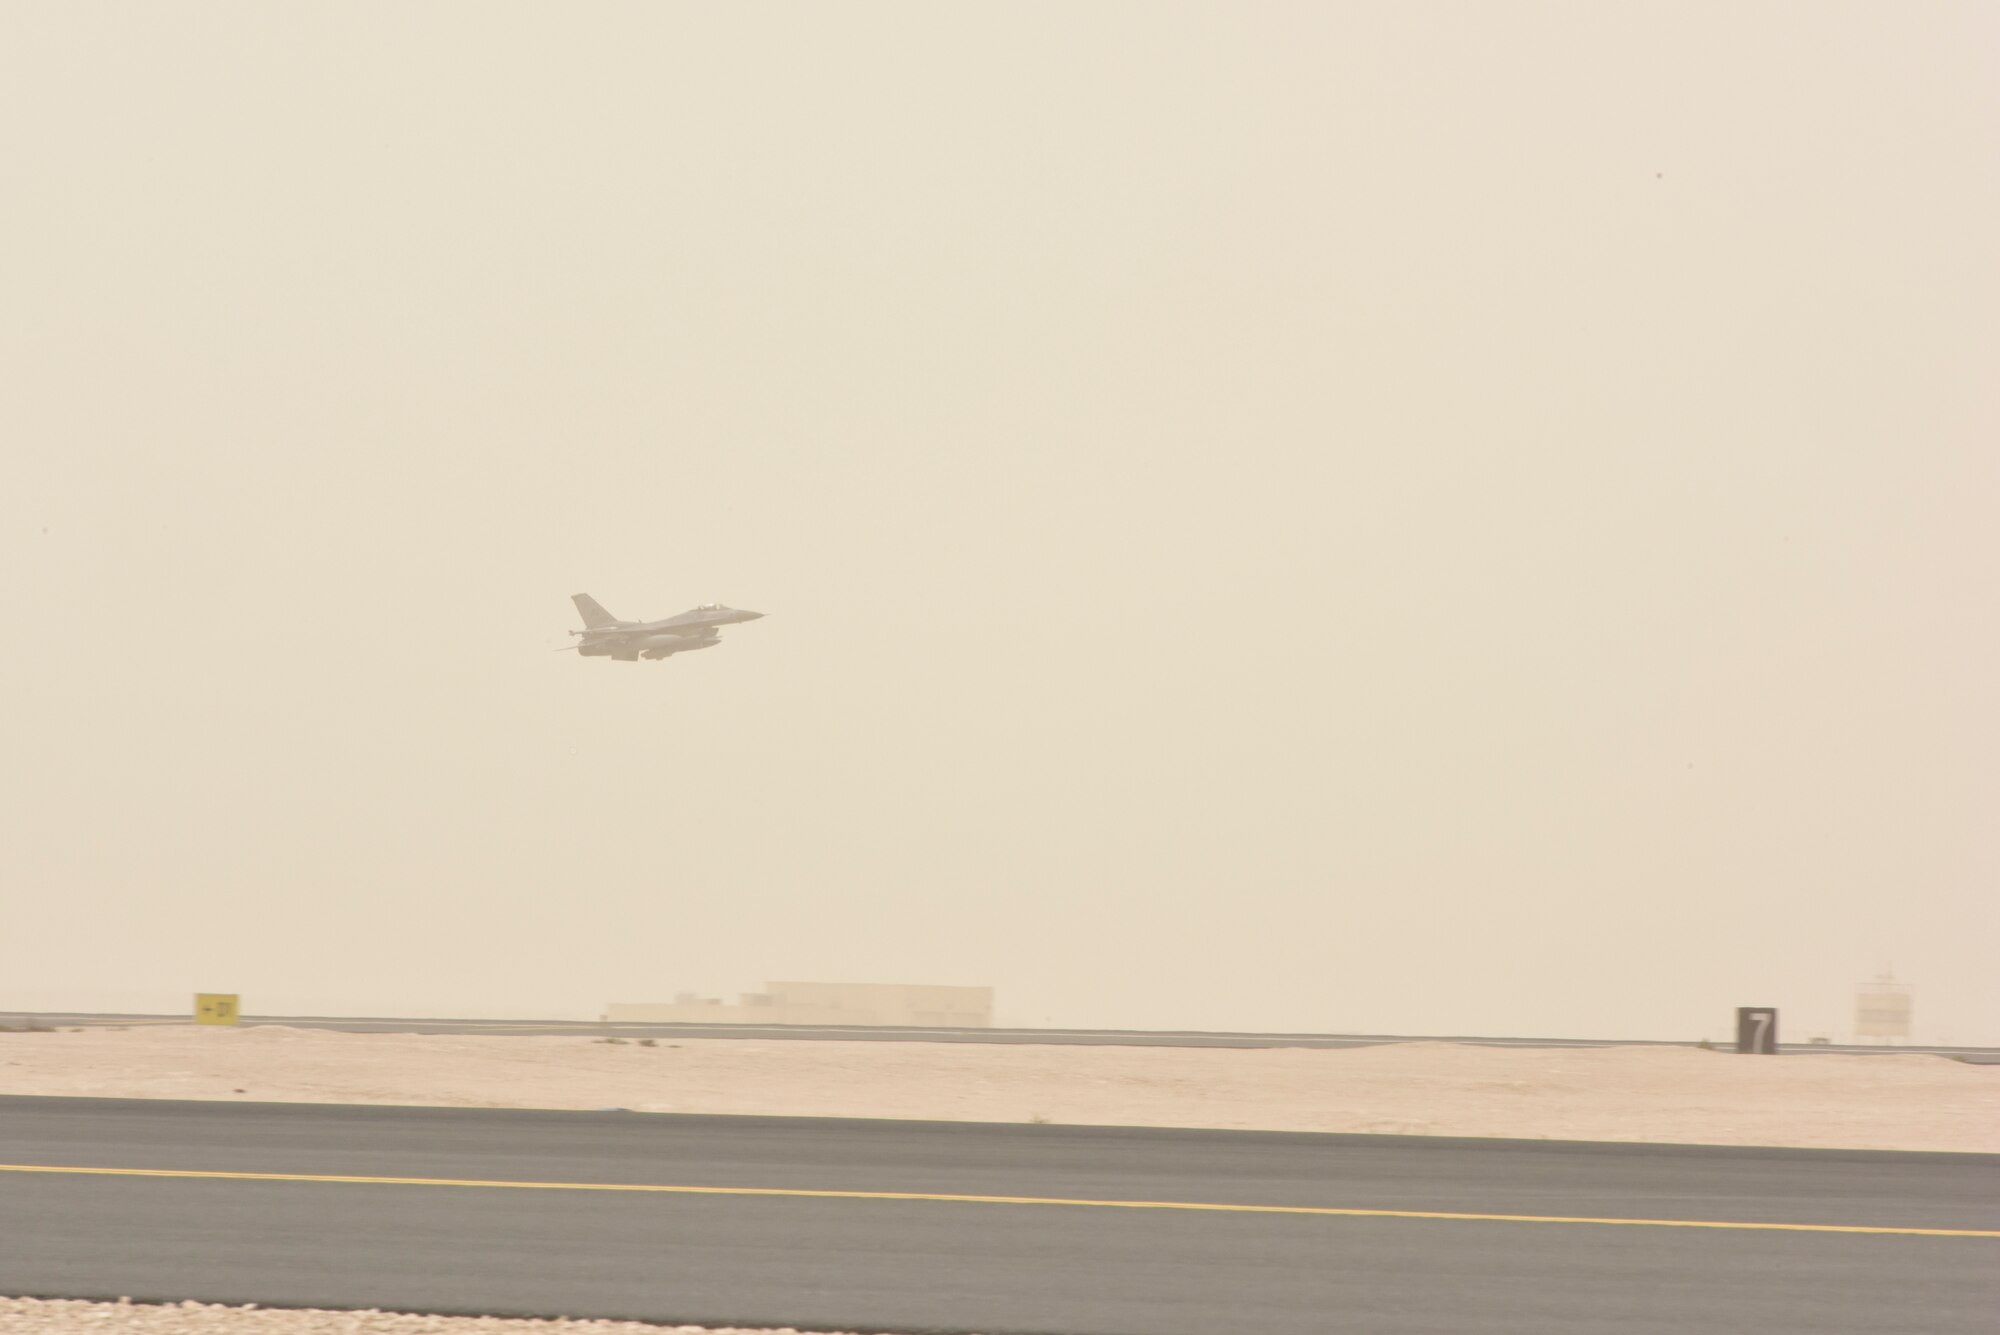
605 636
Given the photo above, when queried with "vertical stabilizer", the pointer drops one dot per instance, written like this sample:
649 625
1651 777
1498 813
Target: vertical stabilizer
594 615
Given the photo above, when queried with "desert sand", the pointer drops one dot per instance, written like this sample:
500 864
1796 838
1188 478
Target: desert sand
1661 1094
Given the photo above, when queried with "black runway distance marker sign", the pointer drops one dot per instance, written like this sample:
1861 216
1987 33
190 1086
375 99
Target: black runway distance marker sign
1757 1029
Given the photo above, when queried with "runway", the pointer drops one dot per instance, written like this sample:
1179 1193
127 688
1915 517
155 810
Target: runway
898 1226
1141 1038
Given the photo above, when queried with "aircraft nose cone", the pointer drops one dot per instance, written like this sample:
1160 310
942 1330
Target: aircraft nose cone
753 616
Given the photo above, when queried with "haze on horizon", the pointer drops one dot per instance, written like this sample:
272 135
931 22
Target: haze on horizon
1385 517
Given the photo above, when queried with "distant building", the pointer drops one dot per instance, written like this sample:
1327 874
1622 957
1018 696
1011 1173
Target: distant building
903 1005
1882 1009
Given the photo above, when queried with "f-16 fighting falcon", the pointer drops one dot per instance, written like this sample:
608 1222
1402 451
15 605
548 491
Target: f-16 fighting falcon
605 636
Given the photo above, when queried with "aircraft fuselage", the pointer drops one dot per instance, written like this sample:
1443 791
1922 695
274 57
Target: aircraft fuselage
604 636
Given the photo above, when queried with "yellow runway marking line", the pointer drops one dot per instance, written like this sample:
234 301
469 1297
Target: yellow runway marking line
1198 1206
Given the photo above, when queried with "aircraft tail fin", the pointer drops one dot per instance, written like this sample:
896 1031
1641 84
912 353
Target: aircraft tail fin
594 615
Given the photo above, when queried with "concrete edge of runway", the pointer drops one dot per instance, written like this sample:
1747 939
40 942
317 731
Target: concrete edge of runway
542 1319
1044 1130
1975 1055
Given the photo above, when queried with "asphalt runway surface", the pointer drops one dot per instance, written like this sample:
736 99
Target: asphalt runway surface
913 1226
1141 1038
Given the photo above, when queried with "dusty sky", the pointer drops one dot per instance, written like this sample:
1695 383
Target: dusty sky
1451 518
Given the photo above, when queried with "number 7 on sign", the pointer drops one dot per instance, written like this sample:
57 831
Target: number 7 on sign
1757 1029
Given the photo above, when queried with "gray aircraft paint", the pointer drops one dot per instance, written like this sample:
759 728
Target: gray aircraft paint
605 636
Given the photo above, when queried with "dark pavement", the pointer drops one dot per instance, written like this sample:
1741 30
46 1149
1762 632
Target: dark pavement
848 1263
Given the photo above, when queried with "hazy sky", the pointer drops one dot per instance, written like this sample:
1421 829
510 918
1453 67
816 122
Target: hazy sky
1429 518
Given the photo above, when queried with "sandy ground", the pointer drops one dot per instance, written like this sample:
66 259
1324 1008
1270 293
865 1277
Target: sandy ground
1888 1101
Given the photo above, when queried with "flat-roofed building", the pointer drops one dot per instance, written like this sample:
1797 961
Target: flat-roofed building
902 1005
1882 1009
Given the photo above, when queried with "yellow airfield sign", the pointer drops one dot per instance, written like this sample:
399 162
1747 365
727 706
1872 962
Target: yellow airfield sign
216 1008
